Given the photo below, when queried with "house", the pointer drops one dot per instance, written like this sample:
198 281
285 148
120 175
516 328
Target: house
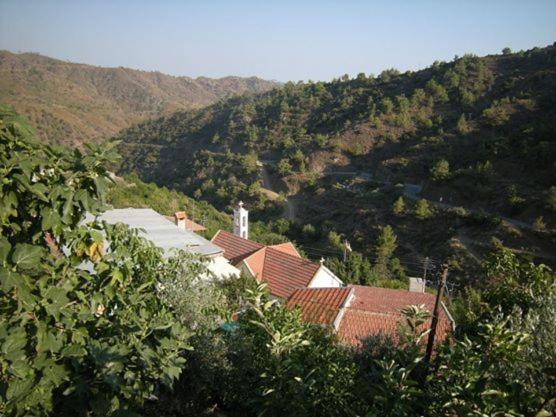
169 236
280 266
356 312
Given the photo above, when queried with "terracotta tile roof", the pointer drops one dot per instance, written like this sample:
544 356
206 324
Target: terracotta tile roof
235 247
387 300
285 273
256 262
280 266
287 247
194 227
319 305
371 310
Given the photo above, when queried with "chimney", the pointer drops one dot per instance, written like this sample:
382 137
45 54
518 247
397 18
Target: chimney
241 221
417 285
179 219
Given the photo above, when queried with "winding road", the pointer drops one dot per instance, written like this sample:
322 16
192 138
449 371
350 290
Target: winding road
410 191
271 193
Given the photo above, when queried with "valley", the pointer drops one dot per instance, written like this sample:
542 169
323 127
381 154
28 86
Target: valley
464 149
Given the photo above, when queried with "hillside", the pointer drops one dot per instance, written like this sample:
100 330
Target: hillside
73 103
475 132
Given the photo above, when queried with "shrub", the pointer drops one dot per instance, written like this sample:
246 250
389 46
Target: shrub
82 329
496 114
539 225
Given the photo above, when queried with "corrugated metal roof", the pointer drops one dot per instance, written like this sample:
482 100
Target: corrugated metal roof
159 230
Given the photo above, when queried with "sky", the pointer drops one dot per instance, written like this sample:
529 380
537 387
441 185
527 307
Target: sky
277 40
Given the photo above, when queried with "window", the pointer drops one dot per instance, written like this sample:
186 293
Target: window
244 220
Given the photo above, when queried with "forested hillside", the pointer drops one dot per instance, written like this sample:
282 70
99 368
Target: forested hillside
451 156
73 103
120 329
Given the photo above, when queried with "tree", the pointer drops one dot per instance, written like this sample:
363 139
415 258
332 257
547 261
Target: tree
422 209
398 207
550 198
496 114
82 329
356 270
539 225
284 167
462 126
386 243
385 246
440 171
506 51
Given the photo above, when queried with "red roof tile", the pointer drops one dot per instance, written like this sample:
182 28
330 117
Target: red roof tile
280 266
319 305
285 273
287 247
371 310
235 247
387 300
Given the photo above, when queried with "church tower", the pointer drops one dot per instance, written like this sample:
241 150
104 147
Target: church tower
241 221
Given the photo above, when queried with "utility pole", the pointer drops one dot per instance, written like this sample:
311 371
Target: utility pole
434 321
425 269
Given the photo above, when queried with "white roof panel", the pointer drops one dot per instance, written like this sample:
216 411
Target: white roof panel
159 230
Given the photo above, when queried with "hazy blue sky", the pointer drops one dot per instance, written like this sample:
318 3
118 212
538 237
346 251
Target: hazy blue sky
282 40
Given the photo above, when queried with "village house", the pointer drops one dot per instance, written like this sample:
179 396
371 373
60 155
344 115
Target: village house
171 236
356 312
281 266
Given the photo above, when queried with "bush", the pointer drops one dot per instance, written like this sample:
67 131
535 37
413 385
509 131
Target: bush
82 330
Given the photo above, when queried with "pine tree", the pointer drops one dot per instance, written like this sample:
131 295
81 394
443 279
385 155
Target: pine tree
399 206
462 126
422 210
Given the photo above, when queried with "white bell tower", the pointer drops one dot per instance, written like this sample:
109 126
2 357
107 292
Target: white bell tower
241 221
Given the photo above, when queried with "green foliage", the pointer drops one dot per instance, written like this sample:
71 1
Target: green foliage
513 281
513 199
132 192
496 114
82 329
284 167
462 126
356 270
398 208
550 198
422 209
539 225
440 171
386 243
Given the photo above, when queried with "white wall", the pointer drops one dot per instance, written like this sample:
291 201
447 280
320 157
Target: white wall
324 278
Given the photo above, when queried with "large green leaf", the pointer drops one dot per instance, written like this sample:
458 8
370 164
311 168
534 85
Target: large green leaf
26 256
5 248
50 218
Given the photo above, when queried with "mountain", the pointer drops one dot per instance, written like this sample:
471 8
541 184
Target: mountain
474 139
73 103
